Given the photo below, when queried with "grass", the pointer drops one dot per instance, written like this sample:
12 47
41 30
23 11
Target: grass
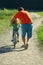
40 31
5 17
40 35
40 13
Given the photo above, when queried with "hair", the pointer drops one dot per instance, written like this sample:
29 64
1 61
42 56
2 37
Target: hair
20 8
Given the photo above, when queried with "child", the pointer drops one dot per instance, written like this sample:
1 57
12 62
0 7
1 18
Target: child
15 25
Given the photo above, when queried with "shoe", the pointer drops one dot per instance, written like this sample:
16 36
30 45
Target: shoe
22 46
17 40
26 46
14 46
12 40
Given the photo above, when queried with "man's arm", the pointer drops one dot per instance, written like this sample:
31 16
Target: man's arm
12 20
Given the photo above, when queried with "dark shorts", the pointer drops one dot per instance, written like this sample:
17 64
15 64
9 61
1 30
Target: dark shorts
26 28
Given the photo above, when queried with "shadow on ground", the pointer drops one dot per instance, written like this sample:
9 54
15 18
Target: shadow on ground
10 48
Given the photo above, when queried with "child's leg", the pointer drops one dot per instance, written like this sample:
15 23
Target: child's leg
17 36
14 39
12 35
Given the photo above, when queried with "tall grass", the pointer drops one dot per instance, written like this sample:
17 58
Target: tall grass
5 17
40 31
40 35
7 13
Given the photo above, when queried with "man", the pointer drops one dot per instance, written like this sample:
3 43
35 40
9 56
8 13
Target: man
26 24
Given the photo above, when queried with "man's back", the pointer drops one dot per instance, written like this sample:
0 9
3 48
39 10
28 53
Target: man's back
24 16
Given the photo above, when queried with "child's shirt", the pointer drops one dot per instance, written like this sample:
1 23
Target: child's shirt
15 26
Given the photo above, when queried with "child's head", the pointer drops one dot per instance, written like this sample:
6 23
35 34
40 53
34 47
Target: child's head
15 21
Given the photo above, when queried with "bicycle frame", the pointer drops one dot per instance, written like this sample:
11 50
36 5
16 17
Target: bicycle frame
15 37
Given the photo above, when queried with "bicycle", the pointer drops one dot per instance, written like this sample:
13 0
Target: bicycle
15 39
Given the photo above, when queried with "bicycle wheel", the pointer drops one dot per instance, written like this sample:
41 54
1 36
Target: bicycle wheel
15 38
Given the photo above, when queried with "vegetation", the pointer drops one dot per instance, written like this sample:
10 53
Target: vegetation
40 31
40 35
5 17
40 13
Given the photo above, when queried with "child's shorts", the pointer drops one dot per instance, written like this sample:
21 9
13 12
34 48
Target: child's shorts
26 28
15 31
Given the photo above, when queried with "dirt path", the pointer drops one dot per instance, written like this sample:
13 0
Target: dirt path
19 56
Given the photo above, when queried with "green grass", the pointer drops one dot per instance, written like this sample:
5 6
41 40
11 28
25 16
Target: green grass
40 13
40 31
7 13
5 17
40 35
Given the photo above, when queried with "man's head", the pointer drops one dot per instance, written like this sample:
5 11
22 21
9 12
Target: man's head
20 8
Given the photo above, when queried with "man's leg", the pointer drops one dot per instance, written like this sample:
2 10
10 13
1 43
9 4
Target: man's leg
29 32
25 44
28 39
23 38
23 29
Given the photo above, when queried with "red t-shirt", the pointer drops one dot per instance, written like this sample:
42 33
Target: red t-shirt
24 17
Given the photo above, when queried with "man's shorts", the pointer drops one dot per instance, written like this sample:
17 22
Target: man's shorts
26 28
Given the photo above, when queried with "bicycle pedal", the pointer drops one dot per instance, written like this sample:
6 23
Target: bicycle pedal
17 40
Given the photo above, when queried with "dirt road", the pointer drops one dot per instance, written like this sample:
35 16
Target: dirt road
32 56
